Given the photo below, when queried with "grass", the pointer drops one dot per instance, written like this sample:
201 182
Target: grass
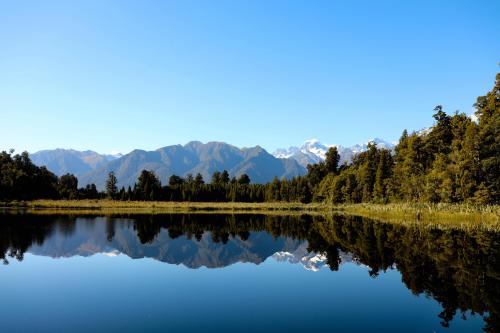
441 215
164 206
426 215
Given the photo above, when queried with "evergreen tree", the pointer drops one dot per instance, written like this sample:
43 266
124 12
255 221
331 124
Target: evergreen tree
198 180
384 172
216 178
457 160
68 187
488 113
332 160
89 192
129 193
175 180
439 182
244 179
438 141
111 188
224 177
148 186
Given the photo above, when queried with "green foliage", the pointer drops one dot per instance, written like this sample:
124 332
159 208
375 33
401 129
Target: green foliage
68 187
148 186
111 188
332 160
457 268
89 192
455 161
488 112
20 179
244 179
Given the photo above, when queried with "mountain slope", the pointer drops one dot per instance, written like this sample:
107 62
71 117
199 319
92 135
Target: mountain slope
62 161
313 151
192 158
87 239
196 157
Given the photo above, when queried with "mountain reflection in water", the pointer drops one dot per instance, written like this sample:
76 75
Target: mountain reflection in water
459 269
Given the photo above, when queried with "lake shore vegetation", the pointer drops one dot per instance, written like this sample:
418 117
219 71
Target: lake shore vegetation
452 168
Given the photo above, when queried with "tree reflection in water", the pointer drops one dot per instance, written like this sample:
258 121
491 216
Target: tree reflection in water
459 269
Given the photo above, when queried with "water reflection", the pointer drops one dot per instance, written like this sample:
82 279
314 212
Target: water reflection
459 269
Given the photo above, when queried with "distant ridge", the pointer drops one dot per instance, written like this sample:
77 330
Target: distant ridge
62 161
192 158
313 151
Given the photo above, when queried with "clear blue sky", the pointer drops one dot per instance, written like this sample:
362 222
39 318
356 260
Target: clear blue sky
119 75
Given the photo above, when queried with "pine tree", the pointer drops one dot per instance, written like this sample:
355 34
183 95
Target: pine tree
111 188
198 180
488 112
332 160
384 171
244 179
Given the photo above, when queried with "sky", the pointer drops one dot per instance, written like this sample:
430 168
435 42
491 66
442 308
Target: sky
118 75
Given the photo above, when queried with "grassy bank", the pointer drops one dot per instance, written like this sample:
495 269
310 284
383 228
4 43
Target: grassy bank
166 206
427 215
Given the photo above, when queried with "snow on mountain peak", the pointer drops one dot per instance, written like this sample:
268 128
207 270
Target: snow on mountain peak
313 151
115 154
311 261
312 142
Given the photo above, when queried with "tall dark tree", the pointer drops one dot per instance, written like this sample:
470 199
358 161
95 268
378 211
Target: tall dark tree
456 160
216 178
244 179
384 170
315 173
111 187
175 180
438 141
488 113
224 177
68 186
148 186
332 160
20 179
89 192
198 180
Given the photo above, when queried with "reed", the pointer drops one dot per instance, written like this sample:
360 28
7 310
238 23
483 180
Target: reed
441 215
167 205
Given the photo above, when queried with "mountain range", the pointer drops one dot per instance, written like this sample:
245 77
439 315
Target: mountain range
313 151
62 161
192 158
90 238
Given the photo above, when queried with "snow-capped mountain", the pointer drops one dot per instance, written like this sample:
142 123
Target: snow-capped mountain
115 154
313 151
311 261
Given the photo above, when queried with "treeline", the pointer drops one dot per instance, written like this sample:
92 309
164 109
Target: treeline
461 281
20 179
221 188
456 160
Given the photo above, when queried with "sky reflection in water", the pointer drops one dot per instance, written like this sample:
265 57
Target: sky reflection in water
246 273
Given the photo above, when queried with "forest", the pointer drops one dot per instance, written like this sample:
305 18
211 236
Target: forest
457 160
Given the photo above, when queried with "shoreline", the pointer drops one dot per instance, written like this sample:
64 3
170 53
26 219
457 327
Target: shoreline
443 216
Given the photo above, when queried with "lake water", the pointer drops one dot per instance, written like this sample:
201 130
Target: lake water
249 273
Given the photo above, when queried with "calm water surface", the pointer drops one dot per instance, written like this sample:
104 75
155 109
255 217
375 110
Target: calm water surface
254 273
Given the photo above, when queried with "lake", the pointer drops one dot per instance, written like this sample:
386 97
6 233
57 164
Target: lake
243 272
